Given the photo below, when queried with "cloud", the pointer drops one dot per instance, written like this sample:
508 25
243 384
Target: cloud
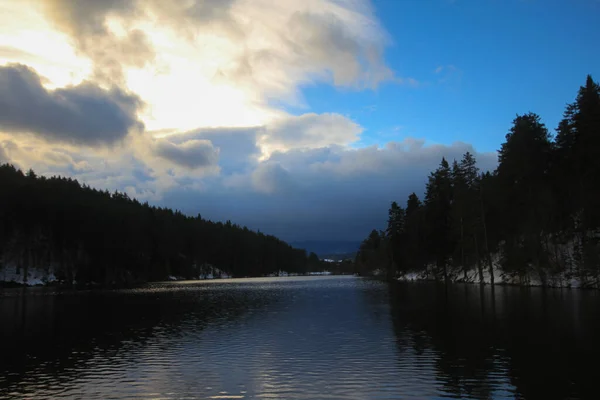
82 115
42 157
449 74
303 193
254 43
189 16
237 147
11 52
270 178
3 155
215 76
324 193
192 154
87 23
290 45
325 39
311 131
203 63
241 148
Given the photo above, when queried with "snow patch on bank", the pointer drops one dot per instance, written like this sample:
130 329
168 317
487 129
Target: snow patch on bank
563 258
500 278
34 277
205 271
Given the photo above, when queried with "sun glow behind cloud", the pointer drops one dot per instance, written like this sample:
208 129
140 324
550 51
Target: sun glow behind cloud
182 89
27 37
193 65
209 73
184 101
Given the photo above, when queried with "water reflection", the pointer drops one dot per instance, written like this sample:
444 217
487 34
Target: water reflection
53 342
299 338
506 341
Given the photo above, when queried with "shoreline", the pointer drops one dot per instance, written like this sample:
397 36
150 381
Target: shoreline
500 279
37 282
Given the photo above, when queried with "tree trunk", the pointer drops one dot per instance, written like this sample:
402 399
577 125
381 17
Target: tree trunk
27 259
485 243
462 249
445 270
391 273
581 227
479 266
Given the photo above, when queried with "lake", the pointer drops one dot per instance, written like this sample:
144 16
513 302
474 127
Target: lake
299 338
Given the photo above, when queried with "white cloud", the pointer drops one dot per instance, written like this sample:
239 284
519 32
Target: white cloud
200 62
89 23
310 131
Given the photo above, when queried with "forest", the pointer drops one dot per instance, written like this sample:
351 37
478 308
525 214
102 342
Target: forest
85 235
535 218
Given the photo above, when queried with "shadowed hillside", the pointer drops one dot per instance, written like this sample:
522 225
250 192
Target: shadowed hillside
83 235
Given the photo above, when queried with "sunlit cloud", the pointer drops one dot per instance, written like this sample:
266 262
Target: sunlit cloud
201 63
160 99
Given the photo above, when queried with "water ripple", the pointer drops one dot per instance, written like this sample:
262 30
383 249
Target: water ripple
325 338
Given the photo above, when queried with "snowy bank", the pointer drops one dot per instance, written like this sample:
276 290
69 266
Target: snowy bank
34 276
457 275
562 269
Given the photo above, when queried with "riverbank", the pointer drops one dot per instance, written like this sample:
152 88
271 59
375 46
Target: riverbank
532 279
11 277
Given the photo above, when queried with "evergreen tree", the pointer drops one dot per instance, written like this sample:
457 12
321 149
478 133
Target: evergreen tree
414 255
578 173
465 212
438 203
523 172
395 238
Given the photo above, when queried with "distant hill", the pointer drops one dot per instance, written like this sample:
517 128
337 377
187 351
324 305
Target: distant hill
339 257
328 247
90 235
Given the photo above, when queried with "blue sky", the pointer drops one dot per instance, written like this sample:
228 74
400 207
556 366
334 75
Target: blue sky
252 110
497 59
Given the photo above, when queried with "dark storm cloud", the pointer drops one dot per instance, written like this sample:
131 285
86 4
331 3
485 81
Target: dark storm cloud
83 115
325 194
192 154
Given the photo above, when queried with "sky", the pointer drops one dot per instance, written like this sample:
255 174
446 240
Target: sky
303 119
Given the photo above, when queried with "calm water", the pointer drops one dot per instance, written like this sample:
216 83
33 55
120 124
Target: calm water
300 338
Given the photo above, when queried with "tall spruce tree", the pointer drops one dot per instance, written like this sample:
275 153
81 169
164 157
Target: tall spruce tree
438 203
395 238
523 172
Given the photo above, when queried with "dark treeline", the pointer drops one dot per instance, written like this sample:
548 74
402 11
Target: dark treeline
87 235
536 216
